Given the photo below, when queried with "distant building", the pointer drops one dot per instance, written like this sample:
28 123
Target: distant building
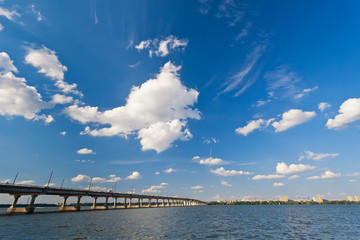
318 199
353 198
284 199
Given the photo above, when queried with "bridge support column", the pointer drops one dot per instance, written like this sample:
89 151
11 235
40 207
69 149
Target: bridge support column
28 209
139 203
125 201
129 203
157 202
106 203
78 203
64 208
115 200
149 202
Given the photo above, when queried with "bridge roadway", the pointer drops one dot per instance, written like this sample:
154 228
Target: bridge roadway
20 190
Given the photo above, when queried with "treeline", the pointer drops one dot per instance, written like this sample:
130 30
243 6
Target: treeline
281 202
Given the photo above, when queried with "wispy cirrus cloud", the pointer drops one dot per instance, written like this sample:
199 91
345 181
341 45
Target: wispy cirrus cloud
243 79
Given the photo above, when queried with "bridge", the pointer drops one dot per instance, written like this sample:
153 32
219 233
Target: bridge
34 191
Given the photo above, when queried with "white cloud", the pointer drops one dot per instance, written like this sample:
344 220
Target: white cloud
353 180
61 99
326 175
197 187
48 63
222 172
278 184
271 176
134 175
159 136
85 151
16 97
1 27
134 66
112 178
81 178
169 170
211 140
157 173
36 12
26 182
6 64
162 47
63 133
353 174
196 158
349 112
233 11
282 81
97 188
292 118
293 177
157 111
262 102
6 181
143 45
253 125
84 160
282 168
317 156
211 161
323 105
305 91
155 189
226 184
11 15
244 79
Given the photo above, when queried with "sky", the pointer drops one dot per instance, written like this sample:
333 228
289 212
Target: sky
210 99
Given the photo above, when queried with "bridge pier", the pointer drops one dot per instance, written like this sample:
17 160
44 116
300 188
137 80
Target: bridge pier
29 209
149 201
157 202
129 206
105 207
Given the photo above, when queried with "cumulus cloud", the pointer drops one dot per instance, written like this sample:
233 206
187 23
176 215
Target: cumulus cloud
63 133
197 187
196 158
85 151
317 156
97 188
158 136
278 184
134 175
323 105
282 168
305 91
349 112
293 177
326 175
211 161
292 118
157 173
226 184
47 63
16 97
271 176
61 99
10 15
222 172
169 170
26 182
112 178
155 188
253 125
81 178
162 47
6 64
157 111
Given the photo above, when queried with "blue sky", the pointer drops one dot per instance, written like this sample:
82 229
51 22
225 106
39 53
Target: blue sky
213 99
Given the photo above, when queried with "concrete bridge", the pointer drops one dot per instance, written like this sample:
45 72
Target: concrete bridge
34 191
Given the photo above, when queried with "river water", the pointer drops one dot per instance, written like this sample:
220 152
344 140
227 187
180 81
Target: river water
196 222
